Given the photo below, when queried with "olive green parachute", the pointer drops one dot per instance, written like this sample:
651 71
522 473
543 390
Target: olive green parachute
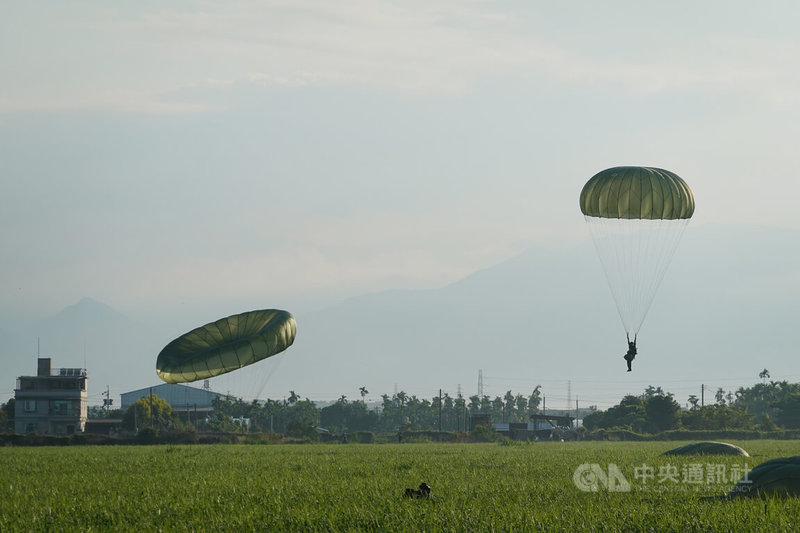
636 216
708 448
637 193
226 345
774 478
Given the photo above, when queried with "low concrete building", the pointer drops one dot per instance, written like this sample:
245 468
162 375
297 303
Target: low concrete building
54 401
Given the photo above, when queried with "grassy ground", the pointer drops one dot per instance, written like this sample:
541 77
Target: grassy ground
476 487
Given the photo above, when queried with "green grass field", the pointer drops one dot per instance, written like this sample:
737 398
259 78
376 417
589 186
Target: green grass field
476 487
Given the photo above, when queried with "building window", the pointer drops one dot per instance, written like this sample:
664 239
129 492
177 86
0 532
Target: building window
31 427
60 407
30 406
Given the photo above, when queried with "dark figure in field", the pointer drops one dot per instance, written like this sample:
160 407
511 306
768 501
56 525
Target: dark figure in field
423 492
631 355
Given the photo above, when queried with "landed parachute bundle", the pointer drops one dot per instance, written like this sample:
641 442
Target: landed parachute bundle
708 448
779 477
636 216
226 345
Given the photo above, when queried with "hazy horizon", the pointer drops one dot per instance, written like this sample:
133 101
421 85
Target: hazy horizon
189 161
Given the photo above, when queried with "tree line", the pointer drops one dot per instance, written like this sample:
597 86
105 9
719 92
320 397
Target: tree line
299 417
765 406
398 412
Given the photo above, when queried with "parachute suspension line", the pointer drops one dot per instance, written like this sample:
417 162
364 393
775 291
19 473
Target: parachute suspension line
249 382
635 255
265 381
662 245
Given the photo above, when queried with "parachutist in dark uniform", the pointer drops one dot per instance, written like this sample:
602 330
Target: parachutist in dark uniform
631 355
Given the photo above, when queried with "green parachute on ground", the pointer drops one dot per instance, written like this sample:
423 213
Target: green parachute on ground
778 477
636 216
708 448
226 345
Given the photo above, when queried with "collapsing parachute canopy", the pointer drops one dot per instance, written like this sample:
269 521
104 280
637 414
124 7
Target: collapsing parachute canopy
226 345
636 216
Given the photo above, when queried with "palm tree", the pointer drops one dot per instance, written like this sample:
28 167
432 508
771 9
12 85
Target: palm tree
693 400
363 391
402 397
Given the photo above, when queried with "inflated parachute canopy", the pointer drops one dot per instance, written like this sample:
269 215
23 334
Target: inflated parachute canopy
226 345
774 478
637 193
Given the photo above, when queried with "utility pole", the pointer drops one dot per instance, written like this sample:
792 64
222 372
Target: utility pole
702 395
107 401
480 384
440 410
569 395
152 415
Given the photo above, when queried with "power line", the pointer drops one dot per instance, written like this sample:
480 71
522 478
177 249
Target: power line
644 382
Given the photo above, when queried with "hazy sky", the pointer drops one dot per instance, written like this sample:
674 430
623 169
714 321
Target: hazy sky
177 155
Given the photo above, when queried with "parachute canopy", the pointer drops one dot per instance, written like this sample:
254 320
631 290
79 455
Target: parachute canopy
637 193
708 448
778 477
226 345
636 216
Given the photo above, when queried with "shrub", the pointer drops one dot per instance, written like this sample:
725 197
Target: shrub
364 437
483 433
147 436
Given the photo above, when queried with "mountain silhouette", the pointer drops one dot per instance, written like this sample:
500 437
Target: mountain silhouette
543 317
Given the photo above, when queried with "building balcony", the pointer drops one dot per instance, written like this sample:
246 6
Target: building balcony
50 394
60 413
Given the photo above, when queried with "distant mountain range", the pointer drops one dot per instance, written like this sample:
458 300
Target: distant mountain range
726 309
115 349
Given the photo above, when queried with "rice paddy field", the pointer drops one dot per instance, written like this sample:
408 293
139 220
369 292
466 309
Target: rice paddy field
552 486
